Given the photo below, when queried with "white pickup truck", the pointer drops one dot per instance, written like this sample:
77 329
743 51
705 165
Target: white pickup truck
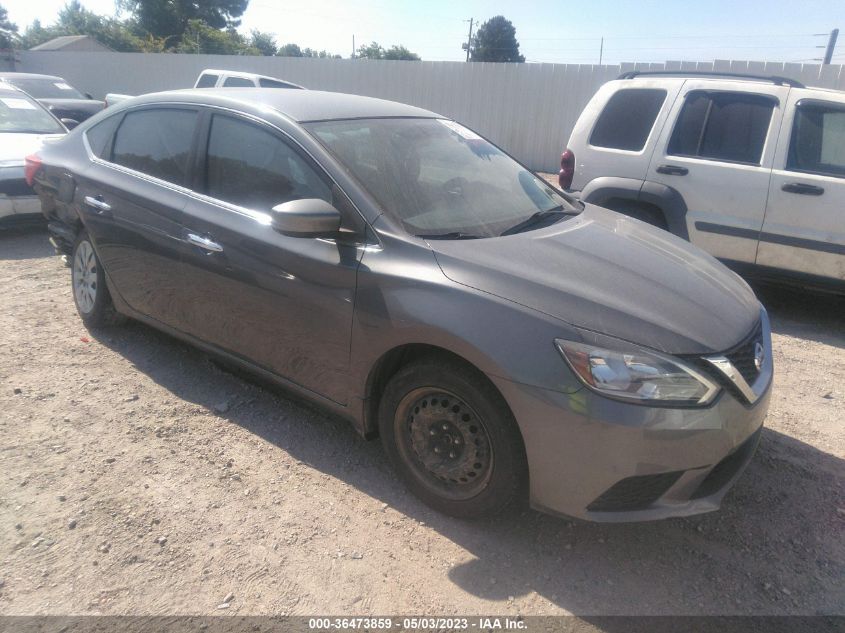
213 78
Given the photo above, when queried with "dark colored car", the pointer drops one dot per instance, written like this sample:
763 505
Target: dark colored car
503 339
62 99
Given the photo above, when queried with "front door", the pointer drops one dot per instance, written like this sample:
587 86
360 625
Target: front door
718 156
804 229
283 303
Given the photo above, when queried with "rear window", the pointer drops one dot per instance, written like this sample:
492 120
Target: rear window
272 83
627 119
238 82
726 126
206 81
156 142
818 139
45 87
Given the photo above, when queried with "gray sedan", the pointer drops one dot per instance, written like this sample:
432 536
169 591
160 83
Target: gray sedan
506 342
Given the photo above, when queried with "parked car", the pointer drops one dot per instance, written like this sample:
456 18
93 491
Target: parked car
62 99
212 78
24 126
393 266
750 169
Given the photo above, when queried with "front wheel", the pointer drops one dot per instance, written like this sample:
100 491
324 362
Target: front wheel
452 439
90 294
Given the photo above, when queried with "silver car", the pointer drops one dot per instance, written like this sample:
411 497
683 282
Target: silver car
505 341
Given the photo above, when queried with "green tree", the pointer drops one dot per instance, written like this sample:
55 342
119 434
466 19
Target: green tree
289 50
74 19
8 30
374 50
265 43
172 18
199 37
496 42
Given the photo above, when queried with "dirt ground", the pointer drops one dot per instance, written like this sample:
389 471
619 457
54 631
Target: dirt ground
139 478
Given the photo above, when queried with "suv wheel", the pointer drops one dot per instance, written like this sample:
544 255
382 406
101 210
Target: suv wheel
452 439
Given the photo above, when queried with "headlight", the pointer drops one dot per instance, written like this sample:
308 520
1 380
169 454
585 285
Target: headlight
637 375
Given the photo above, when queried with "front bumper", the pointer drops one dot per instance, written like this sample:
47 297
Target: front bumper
603 460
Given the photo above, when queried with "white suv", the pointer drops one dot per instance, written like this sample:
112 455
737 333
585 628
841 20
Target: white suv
750 169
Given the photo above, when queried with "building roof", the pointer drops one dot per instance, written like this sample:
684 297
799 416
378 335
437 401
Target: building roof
71 42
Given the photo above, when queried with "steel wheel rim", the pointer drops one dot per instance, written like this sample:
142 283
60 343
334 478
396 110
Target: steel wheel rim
431 418
85 277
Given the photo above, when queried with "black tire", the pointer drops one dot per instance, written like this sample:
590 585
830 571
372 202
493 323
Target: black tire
474 482
88 284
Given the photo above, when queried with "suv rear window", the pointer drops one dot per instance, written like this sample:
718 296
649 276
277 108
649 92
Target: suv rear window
238 82
156 142
818 139
726 126
627 119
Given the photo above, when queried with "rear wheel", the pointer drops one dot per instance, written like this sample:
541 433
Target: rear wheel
90 294
643 212
452 439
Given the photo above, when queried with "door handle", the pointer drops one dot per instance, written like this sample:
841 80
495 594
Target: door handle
102 208
672 170
204 243
802 188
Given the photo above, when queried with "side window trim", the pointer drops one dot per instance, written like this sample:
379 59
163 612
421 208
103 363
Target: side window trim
350 213
709 92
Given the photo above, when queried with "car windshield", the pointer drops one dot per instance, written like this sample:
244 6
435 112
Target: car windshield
19 113
437 177
46 88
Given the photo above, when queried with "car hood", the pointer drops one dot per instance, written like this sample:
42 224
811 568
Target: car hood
14 147
607 273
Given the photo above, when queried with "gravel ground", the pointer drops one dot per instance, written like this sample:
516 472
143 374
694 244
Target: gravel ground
140 478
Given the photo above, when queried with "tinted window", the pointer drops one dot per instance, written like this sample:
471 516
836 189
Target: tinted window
627 119
207 81
253 168
19 113
238 82
818 140
156 142
100 135
722 126
46 87
270 83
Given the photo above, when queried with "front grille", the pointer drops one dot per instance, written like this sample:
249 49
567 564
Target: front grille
15 187
726 469
634 493
742 356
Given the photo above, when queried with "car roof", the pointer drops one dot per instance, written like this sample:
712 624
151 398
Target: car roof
29 76
299 105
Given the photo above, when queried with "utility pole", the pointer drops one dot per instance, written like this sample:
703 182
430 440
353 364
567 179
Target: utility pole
468 45
601 50
831 44
353 47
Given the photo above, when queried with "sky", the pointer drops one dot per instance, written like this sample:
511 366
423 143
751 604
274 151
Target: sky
551 31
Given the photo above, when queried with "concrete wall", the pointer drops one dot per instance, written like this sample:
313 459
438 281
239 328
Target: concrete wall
528 109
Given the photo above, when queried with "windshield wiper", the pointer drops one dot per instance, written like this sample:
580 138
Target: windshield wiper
454 235
534 219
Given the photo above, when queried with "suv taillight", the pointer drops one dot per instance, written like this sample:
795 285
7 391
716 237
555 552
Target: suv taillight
32 164
567 169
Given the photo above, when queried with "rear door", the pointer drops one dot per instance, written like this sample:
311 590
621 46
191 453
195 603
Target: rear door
284 303
132 197
718 155
804 229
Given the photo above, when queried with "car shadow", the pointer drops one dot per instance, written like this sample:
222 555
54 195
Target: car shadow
804 314
774 548
21 243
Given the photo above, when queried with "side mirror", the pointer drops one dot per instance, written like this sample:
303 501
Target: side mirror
70 123
309 217
88 95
